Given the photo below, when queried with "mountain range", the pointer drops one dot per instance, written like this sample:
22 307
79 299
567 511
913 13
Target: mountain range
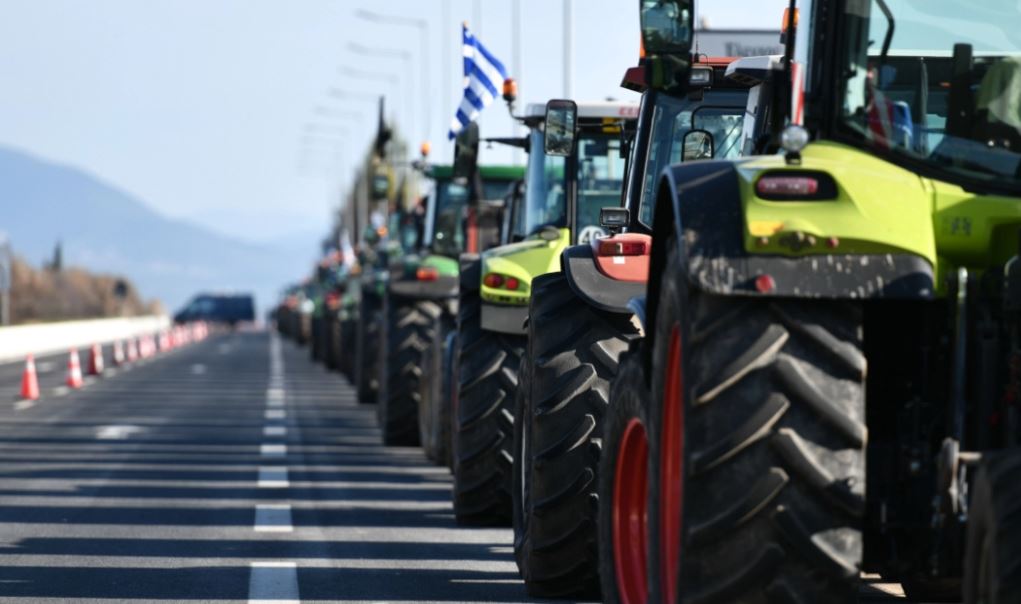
104 229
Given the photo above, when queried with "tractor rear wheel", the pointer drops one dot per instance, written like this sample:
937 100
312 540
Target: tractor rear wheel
408 329
624 486
434 409
345 348
487 382
992 561
367 351
573 354
757 434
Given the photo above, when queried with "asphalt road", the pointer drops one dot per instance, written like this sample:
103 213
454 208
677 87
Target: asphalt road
233 470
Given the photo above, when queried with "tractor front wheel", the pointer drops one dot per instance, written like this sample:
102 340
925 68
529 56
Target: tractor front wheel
573 350
992 562
757 444
487 382
624 487
408 329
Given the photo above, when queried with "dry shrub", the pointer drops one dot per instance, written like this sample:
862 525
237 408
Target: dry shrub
46 295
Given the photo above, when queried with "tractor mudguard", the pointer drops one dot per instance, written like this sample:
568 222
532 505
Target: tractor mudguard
441 287
707 209
503 318
593 286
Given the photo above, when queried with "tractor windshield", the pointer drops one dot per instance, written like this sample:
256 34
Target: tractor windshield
721 113
598 180
937 81
450 199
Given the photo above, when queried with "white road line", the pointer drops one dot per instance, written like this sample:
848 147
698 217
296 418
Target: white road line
61 391
275 414
273 450
273 478
23 404
274 431
273 518
273 583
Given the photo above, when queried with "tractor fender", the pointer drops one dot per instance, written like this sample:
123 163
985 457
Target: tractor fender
705 207
594 286
440 288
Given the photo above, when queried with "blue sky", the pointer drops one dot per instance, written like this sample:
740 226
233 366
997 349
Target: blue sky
219 110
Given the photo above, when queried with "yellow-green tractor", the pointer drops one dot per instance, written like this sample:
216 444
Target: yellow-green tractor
830 378
563 197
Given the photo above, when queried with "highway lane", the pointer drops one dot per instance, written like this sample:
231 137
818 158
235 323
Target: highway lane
214 473
233 470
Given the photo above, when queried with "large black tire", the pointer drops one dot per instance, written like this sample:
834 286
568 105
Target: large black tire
345 348
436 404
331 342
623 532
366 362
315 347
758 435
487 381
407 331
992 561
573 351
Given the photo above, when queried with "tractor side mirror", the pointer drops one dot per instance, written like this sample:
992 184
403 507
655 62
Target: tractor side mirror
698 144
614 219
466 152
667 33
559 127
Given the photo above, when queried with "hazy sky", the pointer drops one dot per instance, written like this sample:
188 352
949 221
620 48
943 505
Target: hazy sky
220 111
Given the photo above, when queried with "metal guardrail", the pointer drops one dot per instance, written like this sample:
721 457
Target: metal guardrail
45 338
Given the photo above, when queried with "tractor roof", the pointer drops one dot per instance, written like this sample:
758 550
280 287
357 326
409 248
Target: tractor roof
752 71
496 172
627 110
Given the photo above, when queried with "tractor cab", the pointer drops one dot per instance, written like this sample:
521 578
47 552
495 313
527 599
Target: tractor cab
565 188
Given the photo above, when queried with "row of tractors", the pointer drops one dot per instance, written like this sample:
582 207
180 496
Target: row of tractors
650 349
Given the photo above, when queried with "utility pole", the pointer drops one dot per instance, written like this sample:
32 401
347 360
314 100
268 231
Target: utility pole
516 63
568 50
444 59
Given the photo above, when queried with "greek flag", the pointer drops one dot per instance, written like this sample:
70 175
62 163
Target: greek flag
483 73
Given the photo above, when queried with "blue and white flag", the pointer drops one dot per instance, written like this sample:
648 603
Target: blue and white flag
483 75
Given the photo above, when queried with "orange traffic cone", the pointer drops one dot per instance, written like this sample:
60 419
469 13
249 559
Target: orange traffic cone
74 370
96 360
29 381
132 351
118 353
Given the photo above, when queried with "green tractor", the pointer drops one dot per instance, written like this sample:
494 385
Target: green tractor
580 323
875 258
420 301
563 197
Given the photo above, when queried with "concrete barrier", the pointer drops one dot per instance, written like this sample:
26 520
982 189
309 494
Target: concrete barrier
47 338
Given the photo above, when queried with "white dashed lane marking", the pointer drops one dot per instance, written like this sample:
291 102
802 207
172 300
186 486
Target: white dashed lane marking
273 518
273 478
274 431
275 414
273 583
273 450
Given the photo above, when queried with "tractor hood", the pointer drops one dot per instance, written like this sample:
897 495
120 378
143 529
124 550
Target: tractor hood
520 262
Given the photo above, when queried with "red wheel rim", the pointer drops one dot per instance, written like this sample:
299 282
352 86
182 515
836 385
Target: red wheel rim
671 469
630 516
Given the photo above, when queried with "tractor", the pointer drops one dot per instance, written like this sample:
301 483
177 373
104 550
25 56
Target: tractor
563 197
869 251
580 323
420 303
